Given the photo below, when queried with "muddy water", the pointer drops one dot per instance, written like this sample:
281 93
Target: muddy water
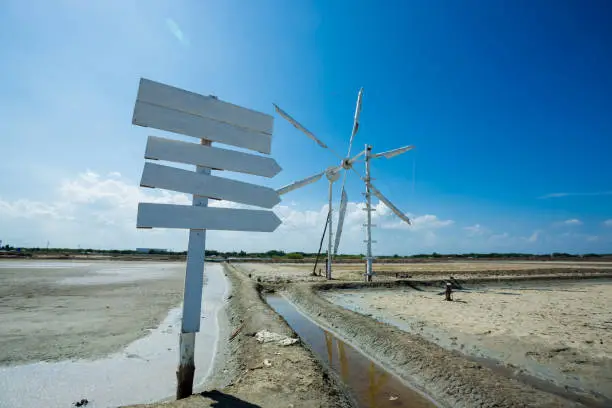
370 384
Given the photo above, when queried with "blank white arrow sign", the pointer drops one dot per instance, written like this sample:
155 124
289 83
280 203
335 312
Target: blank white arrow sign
152 215
159 148
185 181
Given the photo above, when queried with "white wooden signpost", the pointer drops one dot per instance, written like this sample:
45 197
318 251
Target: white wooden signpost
205 117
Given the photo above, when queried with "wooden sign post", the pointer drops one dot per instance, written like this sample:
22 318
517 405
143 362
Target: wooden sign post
211 120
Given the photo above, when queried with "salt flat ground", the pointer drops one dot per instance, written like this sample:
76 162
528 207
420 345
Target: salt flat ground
105 331
558 332
56 310
270 272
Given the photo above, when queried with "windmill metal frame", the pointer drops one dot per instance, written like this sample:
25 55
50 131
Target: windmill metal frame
333 174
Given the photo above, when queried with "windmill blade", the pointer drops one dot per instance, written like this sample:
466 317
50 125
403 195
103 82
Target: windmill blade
389 204
355 121
354 159
392 153
341 213
299 184
303 129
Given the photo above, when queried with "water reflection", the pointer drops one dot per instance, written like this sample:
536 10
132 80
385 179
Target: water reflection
376 379
369 384
344 373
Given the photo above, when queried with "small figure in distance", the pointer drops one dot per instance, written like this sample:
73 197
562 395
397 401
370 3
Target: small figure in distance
449 292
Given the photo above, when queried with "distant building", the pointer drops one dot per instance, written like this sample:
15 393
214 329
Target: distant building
149 250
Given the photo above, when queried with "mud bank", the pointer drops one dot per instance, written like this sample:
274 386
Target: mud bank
445 375
557 334
254 374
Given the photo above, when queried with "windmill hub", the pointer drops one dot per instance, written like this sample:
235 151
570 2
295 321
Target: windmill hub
346 164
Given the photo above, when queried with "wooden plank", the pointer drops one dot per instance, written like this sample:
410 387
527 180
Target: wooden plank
148 115
152 215
206 106
185 181
159 148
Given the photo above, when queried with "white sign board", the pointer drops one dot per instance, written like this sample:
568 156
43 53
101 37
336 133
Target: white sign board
185 181
211 120
175 110
151 215
159 148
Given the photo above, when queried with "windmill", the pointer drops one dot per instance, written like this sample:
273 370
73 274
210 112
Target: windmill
370 189
332 174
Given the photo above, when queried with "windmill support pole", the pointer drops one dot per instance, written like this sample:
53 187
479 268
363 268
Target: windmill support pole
328 271
368 195
192 302
314 271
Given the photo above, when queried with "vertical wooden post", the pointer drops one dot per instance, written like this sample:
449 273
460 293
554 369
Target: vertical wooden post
449 292
192 299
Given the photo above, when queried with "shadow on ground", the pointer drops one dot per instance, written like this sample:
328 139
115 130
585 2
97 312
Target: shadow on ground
226 401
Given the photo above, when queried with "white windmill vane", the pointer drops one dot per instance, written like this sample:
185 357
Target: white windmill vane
333 174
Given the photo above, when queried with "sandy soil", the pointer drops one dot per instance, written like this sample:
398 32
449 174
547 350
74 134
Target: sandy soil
302 272
447 376
561 333
57 310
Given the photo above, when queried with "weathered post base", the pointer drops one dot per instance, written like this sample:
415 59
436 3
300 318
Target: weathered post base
186 369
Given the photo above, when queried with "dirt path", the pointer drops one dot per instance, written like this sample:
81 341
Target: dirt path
263 375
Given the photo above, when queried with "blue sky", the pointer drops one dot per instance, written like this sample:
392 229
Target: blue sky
508 104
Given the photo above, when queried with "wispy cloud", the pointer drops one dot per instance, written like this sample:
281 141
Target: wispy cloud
608 223
572 222
107 203
534 237
498 237
475 230
559 195
176 31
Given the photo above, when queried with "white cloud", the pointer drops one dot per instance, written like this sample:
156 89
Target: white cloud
572 222
100 211
560 195
423 222
608 223
176 31
499 237
475 230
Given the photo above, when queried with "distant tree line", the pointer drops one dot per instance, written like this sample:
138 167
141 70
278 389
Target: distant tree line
279 254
